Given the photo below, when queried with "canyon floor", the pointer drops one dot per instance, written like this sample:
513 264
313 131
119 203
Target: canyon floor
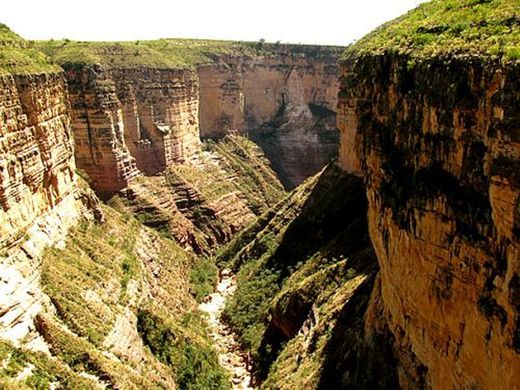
230 355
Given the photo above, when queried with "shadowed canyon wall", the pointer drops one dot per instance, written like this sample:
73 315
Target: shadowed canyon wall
286 102
439 146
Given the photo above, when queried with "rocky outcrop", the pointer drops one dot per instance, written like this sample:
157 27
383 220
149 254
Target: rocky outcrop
285 101
131 121
36 151
205 201
438 143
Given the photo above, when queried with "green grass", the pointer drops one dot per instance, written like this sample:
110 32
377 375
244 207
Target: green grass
254 176
87 280
296 256
45 371
107 268
187 351
459 27
17 56
165 53
82 356
258 280
203 278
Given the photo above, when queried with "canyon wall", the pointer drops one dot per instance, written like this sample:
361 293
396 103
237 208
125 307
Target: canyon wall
285 101
133 116
131 121
438 142
36 150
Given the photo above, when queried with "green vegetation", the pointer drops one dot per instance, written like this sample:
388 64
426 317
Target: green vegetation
294 257
43 370
106 270
203 204
88 279
252 171
241 168
17 56
203 278
459 27
82 356
165 53
191 357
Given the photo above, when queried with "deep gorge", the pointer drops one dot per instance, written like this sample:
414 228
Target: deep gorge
367 200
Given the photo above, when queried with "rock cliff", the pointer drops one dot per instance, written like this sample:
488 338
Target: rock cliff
131 121
285 101
433 126
36 150
137 107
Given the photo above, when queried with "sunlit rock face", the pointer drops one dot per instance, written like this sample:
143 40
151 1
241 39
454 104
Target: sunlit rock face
285 102
36 150
132 121
439 146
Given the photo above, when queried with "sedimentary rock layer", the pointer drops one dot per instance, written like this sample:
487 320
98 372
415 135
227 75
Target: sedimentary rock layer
132 121
36 150
136 113
285 101
203 202
439 145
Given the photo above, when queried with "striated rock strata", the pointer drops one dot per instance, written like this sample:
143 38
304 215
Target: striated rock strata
439 146
285 101
128 121
135 107
36 150
203 202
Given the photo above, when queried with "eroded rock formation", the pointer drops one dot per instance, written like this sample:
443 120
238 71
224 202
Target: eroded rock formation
132 121
137 117
439 146
36 150
285 101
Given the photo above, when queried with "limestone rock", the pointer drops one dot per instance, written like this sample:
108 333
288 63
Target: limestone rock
285 102
439 146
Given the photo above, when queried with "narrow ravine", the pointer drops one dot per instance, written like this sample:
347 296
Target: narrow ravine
230 356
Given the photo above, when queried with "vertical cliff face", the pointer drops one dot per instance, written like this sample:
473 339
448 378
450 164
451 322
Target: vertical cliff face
36 150
128 121
285 101
136 105
40 198
437 139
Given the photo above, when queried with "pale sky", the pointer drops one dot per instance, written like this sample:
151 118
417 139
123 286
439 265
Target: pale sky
318 21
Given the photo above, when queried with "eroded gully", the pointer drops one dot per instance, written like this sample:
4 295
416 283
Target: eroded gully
230 356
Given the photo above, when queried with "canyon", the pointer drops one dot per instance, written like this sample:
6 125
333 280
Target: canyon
201 214
138 118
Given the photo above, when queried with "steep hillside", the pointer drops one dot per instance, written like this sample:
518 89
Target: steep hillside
302 266
428 114
204 201
118 313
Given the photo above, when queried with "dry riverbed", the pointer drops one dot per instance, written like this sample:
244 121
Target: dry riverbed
230 355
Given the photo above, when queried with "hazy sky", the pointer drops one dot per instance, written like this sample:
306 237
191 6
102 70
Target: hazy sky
316 21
